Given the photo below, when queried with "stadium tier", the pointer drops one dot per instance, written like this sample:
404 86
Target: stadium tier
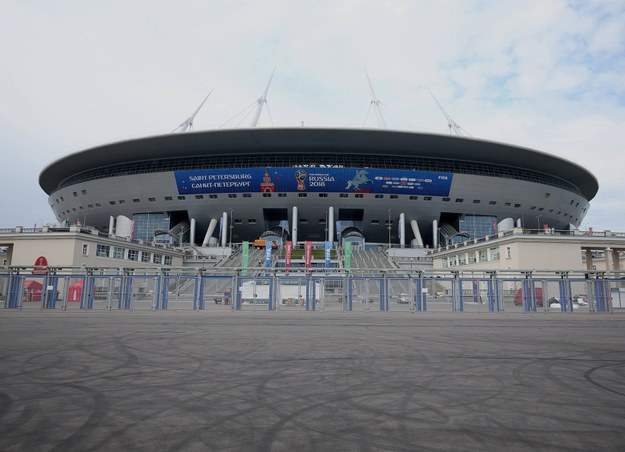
362 185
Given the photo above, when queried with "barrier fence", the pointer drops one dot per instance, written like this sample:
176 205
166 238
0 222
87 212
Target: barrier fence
201 289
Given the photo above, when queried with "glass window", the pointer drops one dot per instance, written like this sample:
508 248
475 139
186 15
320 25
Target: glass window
102 250
168 260
483 257
133 255
118 253
145 256
85 249
494 254
477 226
146 224
158 258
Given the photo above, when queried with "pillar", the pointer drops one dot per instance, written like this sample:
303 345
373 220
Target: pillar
295 224
224 229
209 233
192 233
616 263
331 224
111 225
435 234
588 259
402 230
417 233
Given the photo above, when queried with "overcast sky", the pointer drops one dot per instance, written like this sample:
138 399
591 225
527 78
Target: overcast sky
545 74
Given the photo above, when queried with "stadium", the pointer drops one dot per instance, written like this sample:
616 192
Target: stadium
366 186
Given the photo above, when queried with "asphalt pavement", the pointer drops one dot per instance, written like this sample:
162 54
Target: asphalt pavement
220 380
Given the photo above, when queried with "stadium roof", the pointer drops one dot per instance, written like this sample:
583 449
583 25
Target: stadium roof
308 140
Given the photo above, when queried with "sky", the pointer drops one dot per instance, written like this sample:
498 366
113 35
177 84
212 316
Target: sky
543 74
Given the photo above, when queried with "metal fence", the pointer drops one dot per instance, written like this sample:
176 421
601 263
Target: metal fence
201 289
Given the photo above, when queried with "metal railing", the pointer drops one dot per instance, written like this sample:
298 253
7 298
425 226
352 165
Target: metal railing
385 289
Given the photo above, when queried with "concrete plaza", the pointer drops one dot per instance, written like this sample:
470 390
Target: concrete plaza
292 380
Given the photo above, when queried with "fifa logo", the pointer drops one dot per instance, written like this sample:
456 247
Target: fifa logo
300 177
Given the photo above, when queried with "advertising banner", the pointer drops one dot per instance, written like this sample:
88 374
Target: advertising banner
308 254
288 251
348 255
331 180
328 253
246 257
268 246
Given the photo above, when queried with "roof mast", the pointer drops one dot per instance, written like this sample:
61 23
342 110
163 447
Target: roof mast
376 104
260 102
453 125
187 124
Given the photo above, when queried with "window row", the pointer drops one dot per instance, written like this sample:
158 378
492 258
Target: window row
474 257
320 159
116 252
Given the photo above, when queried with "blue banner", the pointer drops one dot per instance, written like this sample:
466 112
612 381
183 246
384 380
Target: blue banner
328 253
268 246
332 180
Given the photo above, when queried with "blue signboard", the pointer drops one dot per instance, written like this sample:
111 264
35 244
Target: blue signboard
328 253
268 246
329 180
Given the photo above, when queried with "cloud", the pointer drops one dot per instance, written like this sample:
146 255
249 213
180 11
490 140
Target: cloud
547 75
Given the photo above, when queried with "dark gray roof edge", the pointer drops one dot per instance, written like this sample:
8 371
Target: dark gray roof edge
307 139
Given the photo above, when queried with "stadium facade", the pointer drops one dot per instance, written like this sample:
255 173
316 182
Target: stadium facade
368 186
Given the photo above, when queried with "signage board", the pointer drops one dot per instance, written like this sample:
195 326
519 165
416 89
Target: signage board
41 266
300 180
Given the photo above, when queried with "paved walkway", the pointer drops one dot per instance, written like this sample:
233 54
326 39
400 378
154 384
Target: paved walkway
316 381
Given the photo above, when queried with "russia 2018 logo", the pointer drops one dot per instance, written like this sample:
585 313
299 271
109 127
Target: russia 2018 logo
300 177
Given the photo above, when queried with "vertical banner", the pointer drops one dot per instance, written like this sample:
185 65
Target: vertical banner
268 246
246 258
328 253
308 255
288 252
348 255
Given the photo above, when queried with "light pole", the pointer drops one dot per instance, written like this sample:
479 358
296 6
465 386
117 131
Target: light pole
538 220
327 225
231 227
389 228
